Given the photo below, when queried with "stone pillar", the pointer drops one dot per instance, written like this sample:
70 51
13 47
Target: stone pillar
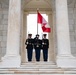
51 39
14 22
62 24
64 58
23 38
12 57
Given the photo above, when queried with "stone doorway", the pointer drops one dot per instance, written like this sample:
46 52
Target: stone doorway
30 7
51 53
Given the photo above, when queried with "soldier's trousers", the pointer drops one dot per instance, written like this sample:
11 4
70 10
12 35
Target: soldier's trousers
37 54
45 54
29 54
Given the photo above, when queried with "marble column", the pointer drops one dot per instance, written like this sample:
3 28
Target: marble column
62 24
64 58
23 38
14 22
12 57
51 38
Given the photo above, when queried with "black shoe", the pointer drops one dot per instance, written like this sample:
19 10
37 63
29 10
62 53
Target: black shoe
45 60
29 60
37 60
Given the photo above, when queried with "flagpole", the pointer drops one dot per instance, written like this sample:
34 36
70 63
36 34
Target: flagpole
37 21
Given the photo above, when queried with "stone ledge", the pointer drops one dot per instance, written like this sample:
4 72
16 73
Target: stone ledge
66 61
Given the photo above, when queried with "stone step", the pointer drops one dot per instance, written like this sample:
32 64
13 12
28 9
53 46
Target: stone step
36 71
70 70
39 72
33 68
31 72
7 72
19 69
39 63
38 66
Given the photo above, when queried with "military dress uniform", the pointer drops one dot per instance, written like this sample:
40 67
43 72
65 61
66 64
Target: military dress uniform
29 47
37 47
45 46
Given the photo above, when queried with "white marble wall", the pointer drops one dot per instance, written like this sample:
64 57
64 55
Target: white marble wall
3 25
72 24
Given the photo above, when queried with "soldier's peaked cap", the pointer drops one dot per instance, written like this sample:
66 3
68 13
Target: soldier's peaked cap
44 34
29 34
37 34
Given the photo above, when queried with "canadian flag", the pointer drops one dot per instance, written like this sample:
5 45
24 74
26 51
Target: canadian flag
44 24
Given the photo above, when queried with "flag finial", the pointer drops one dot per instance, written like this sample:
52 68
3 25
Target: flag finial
37 9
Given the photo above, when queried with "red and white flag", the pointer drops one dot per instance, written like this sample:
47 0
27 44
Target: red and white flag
44 24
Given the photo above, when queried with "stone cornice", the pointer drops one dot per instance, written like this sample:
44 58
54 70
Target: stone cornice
30 10
35 12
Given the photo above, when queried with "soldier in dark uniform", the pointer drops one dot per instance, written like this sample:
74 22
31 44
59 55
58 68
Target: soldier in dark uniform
37 47
45 46
29 47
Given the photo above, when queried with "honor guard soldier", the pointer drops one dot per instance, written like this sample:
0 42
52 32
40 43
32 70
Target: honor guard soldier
37 47
45 46
29 47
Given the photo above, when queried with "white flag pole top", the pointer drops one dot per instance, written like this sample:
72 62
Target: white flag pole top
37 20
